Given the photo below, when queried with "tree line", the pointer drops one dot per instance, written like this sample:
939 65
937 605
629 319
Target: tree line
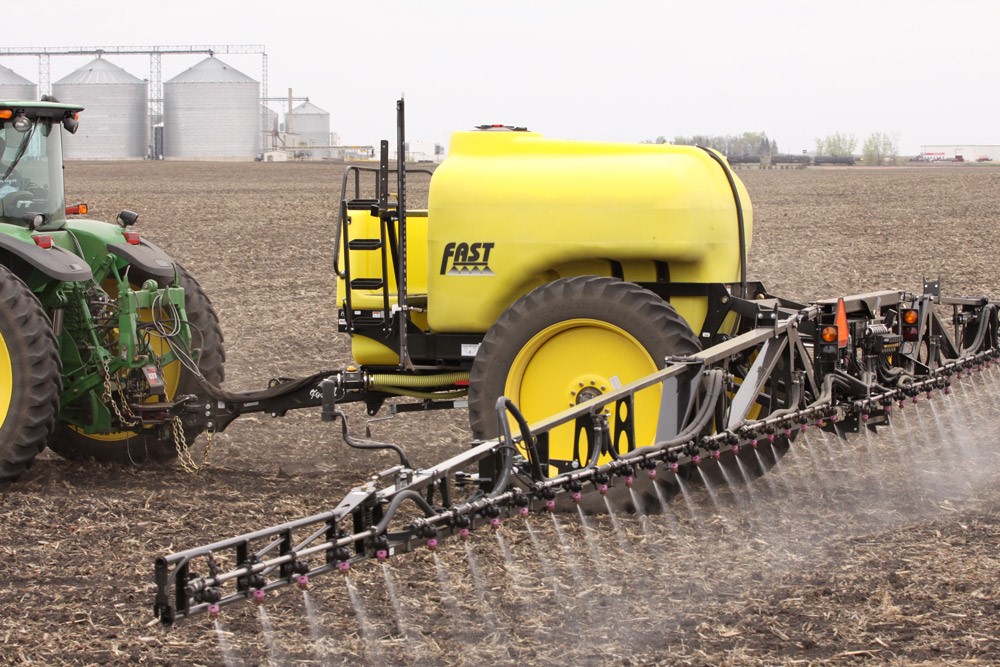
748 144
879 148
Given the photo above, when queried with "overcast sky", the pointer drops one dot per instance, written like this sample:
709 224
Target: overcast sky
626 70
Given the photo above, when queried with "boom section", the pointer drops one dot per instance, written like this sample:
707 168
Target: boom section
839 365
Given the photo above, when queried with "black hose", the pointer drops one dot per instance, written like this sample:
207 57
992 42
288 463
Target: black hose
369 444
984 323
503 406
701 418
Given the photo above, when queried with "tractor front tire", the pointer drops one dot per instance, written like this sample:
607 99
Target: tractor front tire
156 445
30 379
568 341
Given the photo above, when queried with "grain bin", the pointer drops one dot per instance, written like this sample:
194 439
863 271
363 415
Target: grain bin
13 86
116 112
312 126
211 111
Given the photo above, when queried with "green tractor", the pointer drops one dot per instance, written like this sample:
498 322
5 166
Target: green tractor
101 333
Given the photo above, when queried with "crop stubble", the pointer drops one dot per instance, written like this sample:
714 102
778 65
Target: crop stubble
851 553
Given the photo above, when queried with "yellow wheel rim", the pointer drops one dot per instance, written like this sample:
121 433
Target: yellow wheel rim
573 361
171 373
6 381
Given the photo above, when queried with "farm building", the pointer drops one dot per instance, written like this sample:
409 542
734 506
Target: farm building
967 152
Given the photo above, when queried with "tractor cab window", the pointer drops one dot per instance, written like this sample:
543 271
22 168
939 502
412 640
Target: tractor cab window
31 176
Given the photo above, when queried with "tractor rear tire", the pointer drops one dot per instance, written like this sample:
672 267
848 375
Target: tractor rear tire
570 340
156 445
30 380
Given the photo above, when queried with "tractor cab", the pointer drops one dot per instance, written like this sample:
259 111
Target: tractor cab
31 174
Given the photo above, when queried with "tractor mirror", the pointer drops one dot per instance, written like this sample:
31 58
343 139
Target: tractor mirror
71 123
127 218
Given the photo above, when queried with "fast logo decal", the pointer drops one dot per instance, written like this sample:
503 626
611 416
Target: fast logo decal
467 259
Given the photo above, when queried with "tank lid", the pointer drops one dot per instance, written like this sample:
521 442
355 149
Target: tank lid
497 127
98 70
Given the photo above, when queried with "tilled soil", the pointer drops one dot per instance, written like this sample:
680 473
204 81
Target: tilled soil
877 549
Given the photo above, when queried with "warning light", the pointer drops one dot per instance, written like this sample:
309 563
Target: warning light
77 209
43 241
829 334
131 237
6 114
910 317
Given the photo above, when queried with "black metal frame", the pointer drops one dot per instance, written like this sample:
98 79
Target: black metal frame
747 395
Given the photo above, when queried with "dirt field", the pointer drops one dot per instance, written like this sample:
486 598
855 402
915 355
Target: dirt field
875 550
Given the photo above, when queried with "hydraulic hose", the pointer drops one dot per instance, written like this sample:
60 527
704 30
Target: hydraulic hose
369 444
715 381
984 322
505 405
382 380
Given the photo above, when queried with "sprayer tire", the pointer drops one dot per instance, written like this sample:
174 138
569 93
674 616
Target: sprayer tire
157 444
590 329
30 379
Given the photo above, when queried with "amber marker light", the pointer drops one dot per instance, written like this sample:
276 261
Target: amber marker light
6 114
77 209
828 334
910 317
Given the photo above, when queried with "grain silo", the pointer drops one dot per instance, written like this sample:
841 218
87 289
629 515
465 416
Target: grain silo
311 125
13 86
114 124
211 111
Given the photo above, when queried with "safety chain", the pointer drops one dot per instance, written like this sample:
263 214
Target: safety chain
184 455
131 419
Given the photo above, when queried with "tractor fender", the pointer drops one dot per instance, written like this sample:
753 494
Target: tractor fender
54 262
145 255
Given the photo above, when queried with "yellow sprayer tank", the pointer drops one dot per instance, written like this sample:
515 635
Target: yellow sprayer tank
511 210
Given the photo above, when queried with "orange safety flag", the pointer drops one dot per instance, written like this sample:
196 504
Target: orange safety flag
841 323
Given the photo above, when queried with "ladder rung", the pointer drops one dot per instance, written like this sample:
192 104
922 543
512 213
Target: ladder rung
366 283
365 244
